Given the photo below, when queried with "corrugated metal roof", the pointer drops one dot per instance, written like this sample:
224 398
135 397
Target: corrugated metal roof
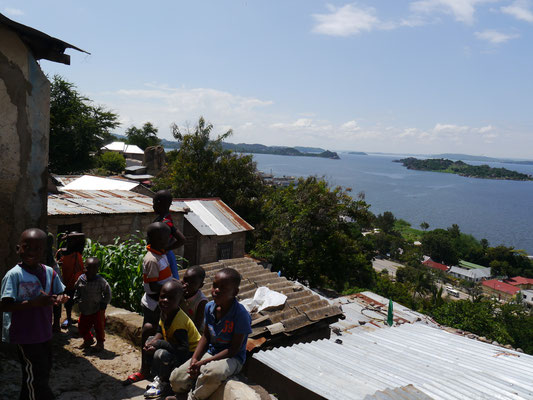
439 364
369 310
75 202
123 147
90 182
212 217
303 308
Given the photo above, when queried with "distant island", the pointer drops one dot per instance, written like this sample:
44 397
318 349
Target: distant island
463 169
278 150
358 153
262 149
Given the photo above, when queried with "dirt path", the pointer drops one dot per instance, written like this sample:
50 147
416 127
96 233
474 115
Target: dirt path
83 374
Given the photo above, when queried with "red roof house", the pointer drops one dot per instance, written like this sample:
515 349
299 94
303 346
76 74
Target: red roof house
520 281
502 290
435 265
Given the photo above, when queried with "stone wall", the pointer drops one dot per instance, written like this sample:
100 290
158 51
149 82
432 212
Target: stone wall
104 228
208 246
24 133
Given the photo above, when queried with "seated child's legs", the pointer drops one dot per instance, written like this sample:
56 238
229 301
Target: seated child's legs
163 364
180 381
212 375
150 323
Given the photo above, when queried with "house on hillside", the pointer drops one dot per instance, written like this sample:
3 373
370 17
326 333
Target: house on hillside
468 265
471 275
127 150
435 265
499 290
25 120
104 214
520 282
212 229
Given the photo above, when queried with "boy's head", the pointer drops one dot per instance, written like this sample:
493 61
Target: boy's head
170 296
225 286
162 201
92 264
75 242
193 280
157 235
31 247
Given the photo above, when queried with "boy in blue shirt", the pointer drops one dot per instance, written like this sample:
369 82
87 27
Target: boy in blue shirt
29 290
221 351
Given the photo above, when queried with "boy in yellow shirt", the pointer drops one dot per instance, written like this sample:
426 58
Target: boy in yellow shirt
175 341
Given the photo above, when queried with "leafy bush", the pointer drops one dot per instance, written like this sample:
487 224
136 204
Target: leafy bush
112 161
121 266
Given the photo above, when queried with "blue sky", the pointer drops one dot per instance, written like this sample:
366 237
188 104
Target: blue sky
421 76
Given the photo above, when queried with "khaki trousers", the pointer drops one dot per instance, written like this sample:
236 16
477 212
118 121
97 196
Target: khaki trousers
211 377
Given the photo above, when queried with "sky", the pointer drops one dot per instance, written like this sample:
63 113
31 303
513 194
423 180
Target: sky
421 76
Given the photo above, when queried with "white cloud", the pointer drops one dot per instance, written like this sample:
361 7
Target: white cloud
346 20
520 9
351 126
462 10
450 128
13 11
485 129
495 37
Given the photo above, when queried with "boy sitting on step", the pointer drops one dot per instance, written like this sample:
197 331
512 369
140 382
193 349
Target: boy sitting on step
221 351
194 301
175 341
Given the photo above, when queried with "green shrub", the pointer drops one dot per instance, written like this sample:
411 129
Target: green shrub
121 266
112 161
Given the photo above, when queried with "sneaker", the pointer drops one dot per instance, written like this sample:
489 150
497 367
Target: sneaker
155 390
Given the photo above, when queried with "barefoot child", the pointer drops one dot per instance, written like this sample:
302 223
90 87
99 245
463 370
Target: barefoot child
194 301
156 272
221 351
93 294
29 290
175 341
161 204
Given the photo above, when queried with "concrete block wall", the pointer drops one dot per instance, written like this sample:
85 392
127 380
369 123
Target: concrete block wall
24 136
208 246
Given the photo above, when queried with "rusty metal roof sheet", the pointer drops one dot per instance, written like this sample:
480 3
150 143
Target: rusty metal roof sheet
373 363
212 217
75 202
303 308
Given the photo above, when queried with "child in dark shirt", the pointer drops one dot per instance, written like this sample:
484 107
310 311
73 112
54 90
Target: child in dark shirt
71 262
161 204
175 341
93 294
221 351
194 301
29 290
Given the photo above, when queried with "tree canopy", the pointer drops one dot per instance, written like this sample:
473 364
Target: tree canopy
305 235
202 168
143 137
77 128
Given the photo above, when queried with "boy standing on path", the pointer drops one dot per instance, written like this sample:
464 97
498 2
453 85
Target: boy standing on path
161 204
221 351
93 294
29 290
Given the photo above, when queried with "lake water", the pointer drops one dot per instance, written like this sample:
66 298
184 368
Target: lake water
499 211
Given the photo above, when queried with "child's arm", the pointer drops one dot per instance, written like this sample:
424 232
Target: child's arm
176 241
201 348
106 296
234 347
151 345
200 312
9 304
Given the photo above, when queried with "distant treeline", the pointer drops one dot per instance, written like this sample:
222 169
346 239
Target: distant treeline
278 150
463 169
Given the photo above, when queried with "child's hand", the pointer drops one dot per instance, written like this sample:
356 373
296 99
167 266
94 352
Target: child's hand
60 299
44 300
194 368
149 348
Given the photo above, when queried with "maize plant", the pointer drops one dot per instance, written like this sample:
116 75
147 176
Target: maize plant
121 266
